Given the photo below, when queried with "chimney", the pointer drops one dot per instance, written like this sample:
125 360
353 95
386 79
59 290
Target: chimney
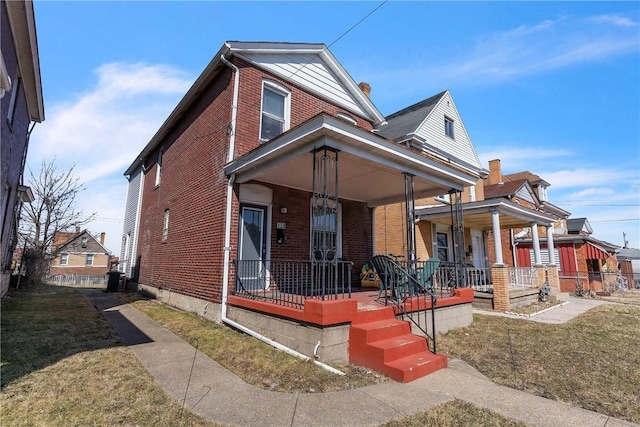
366 88
102 238
495 172
77 229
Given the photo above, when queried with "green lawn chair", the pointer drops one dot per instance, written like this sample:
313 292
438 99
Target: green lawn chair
392 276
428 270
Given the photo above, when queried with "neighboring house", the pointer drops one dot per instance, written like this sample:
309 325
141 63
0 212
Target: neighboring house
22 107
256 206
129 263
79 254
582 260
629 261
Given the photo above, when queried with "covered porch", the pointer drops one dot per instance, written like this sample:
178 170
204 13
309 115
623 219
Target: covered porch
488 225
304 205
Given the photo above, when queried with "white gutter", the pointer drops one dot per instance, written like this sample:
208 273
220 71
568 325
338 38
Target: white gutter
227 242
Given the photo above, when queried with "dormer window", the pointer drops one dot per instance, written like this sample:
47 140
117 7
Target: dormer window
275 110
448 126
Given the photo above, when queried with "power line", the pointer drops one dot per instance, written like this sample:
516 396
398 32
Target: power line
615 220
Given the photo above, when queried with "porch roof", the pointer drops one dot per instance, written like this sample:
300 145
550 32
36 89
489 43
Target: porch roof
477 215
370 168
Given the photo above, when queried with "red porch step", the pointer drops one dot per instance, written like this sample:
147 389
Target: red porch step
379 341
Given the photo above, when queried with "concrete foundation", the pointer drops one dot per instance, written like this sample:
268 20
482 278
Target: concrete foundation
206 309
447 319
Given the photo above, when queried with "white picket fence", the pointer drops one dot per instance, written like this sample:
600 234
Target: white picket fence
77 280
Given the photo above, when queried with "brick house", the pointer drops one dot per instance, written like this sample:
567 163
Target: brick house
253 203
22 107
79 254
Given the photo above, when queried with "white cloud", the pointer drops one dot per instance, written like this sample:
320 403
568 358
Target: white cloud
522 51
102 130
615 19
518 159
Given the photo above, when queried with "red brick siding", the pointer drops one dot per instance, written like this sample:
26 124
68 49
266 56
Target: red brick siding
193 188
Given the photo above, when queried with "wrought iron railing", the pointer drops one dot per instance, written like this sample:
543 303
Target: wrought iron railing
290 282
411 292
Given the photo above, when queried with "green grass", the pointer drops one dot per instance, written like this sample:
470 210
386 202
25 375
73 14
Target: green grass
61 366
255 362
592 361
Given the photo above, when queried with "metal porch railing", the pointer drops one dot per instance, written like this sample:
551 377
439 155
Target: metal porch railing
291 282
411 292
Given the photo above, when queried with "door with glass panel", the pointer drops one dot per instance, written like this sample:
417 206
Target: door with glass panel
252 249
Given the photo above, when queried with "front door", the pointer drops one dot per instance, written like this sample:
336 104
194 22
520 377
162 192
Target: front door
252 250
477 249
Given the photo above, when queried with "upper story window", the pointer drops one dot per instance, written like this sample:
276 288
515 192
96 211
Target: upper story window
64 259
13 101
89 259
159 168
85 240
165 225
275 110
448 126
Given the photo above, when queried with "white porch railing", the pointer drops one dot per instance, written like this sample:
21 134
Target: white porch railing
521 278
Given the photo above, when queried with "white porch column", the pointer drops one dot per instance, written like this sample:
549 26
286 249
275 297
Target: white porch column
536 244
550 247
497 241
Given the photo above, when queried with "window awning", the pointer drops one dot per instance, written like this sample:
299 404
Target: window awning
593 251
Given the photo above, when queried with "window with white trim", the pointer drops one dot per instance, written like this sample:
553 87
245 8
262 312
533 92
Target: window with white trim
165 225
274 115
89 259
12 101
84 241
159 168
448 126
64 259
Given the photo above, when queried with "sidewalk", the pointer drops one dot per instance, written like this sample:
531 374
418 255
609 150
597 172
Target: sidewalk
219 395
557 314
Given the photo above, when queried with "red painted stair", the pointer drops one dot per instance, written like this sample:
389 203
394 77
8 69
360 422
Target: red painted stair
379 341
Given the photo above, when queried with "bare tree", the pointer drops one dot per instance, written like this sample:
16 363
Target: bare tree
52 211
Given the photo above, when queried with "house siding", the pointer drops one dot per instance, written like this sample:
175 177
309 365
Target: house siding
13 152
432 130
314 77
130 227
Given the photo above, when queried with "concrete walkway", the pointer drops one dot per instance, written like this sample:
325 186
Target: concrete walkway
572 307
219 395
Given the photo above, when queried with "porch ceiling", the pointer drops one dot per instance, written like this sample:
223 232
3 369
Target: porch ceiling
370 168
477 215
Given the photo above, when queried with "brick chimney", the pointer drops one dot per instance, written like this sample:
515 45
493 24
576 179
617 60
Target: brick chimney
77 229
102 238
495 172
365 88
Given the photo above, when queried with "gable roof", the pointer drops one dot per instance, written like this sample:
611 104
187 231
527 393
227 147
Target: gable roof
74 237
307 65
409 119
529 176
423 126
579 225
520 187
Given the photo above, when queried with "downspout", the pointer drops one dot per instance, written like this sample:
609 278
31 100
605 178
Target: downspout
227 240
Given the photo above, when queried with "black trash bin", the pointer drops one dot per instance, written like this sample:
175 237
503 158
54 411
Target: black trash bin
113 281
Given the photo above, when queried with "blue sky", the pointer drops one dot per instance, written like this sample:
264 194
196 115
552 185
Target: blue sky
549 87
